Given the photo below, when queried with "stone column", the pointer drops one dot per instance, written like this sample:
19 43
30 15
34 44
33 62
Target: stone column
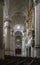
32 51
6 10
37 29
26 51
1 31
6 27
13 43
7 37
23 47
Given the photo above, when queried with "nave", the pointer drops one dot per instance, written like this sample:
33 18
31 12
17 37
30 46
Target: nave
19 32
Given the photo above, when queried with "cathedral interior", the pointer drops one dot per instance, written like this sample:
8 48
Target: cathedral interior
19 32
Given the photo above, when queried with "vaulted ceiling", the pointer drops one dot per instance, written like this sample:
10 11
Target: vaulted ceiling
18 11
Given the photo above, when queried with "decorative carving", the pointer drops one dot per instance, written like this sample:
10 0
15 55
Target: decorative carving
36 2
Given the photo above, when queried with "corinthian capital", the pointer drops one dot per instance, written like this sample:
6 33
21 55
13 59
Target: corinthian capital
36 2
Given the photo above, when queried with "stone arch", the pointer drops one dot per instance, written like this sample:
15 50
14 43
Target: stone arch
18 43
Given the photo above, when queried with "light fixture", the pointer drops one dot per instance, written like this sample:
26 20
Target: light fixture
18 27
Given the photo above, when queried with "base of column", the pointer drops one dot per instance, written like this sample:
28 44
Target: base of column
1 53
32 51
37 52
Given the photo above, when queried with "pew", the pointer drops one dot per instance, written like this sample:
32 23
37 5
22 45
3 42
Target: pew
17 60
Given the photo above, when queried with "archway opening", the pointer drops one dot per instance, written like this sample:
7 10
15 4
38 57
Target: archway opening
18 43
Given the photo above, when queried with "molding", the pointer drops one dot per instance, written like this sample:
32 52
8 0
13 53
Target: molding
7 20
36 2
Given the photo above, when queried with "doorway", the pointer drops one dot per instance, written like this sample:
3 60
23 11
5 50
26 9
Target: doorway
18 43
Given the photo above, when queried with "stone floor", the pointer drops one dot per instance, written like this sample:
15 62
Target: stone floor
15 60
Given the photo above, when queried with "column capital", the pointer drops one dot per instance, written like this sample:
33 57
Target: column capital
7 23
36 2
7 20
